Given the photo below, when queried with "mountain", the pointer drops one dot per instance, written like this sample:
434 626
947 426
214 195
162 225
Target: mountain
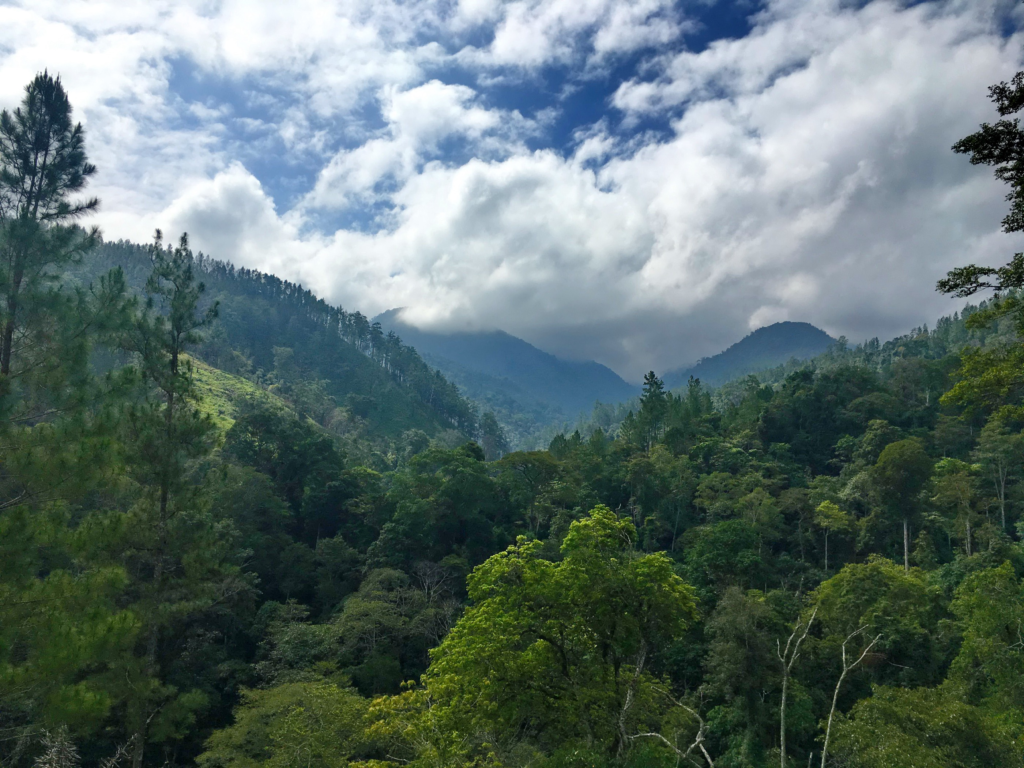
491 367
764 348
335 363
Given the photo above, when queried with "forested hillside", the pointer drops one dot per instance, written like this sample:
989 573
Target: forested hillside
766 347
512 377
342 369
819 569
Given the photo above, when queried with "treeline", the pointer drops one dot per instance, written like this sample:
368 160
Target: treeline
951 335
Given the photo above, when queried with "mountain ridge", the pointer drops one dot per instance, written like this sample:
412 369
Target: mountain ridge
763 348
513 366
268 328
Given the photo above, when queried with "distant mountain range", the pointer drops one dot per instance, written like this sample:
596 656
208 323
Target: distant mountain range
764 348
511 375
528 389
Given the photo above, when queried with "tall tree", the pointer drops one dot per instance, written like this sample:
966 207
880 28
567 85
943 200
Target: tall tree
64 630
42 164
182 557
996 376
170 428
900 475
829 517
653 408
562 652
1000 452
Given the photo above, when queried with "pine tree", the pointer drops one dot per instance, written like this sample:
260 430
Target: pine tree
62 625
183 556
42 163
653 409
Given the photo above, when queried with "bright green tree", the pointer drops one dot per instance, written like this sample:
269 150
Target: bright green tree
830 518
922 728
562 652
291 725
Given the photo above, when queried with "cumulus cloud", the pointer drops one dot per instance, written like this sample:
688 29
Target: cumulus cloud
801 172
531 33
418 120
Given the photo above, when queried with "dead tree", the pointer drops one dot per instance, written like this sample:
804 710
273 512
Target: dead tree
788 657
847 668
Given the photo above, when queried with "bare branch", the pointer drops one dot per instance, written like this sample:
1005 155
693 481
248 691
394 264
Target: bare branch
835 696
788 657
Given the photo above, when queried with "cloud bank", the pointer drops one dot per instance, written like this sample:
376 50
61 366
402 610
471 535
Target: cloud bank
433 156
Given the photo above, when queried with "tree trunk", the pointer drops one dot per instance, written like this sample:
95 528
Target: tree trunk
906 545
782 720
7 342
835 696
788 657
1001 484
139 738
5 347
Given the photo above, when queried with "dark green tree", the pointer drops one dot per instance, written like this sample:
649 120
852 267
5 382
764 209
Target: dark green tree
900 475
182 557
653 409
492 438
994 376
1002 147
42 164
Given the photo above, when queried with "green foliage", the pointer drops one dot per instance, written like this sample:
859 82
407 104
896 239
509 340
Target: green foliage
294 724
551 652
493 439
42 163
343 371
922 728
901 608
989 669
225 526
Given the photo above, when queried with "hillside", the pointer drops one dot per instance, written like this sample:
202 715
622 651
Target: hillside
764 348
521 414
222 394
495 366
271 331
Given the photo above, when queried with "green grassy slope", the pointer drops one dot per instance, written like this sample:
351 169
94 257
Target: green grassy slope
221 394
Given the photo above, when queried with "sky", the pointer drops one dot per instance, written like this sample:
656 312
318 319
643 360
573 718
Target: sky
639 183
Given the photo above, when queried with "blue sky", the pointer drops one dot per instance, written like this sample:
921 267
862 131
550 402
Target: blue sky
639 183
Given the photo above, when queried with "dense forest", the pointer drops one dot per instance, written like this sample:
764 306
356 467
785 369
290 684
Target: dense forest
241 528
362 384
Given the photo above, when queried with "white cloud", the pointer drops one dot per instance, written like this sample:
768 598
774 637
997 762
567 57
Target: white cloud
231 217
534 33
805 172
418 119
